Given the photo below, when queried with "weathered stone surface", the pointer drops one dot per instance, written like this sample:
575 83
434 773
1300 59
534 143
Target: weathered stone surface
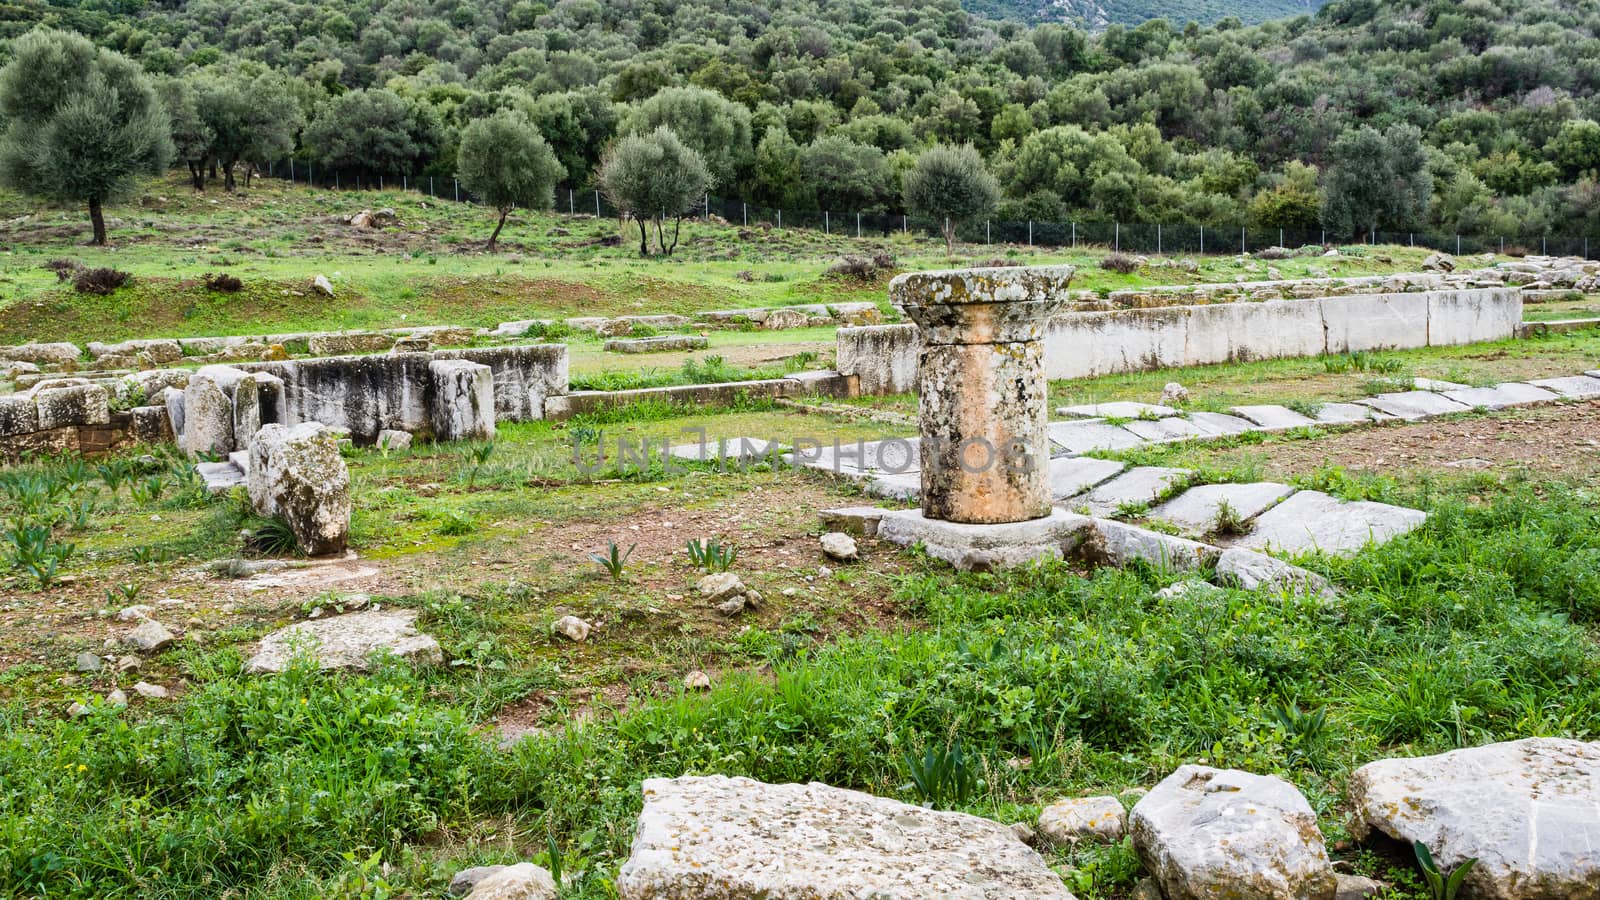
523 881
220 477
572 628
1165 430
784 318
322 285
1273 418
297 474
1142 484
1213 423
1501 396
19 415
1345 414
1118 409
57 354
150 424
347 642
466 879
882 357
87 662
656 344
1311 520
982 547
81 404
391 439
1210 834
720 586
1250 571
738 449
150 637
718 838
463 406
1071 476
1575 387
1197 511
860 521
1095 819
839 546
1412 405
1120 544
1528 810
1356 887
207 417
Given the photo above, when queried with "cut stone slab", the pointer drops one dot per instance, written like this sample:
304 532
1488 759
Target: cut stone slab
1436 385
905 488
1249 570
347 642
720 838
1312 520
1346 414
861 521
1071 476
1165 430
1209 833
1574 387
1212 423
1143 484
1274 418
1195 511
1119 544
1087 437
297 474
985 547
1119 409
1501 396
1528 810
655 344
1093 819
732 449
220 477
1413 405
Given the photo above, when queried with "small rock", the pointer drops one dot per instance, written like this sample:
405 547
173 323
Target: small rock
322 285
77 710
573 629
840 546
1100 819
732 606
1146 889
752 598
150 691
390 439
150 637
1024 832
523 881
135 613
129 663
1356 887
116 698
1174 394
721 586
467 879
697 681
824 572
88 662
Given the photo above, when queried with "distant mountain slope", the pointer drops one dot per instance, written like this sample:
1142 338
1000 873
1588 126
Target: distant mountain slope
1097 14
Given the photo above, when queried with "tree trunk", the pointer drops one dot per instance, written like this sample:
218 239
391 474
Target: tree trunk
498 225
227 177
676 225
197 175
644 237
213 167
949 238
97 216
661 240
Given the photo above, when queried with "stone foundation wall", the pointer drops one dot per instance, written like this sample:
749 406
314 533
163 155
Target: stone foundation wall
1087 344
119 431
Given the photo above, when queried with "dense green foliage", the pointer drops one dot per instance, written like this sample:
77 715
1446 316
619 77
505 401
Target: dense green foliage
1098 14
653 177
1483 116
505 161
950 185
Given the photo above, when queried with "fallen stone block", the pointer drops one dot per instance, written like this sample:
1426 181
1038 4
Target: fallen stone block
19 415
719 838
297 475
1113 543
655 344
1249 570
346 343
57 354
1093 819
82 404
347 642
207 416
1528 811
1207 834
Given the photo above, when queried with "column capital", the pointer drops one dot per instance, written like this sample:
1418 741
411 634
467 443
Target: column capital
1003 304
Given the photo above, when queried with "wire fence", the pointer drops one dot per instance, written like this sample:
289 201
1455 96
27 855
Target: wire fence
1122 237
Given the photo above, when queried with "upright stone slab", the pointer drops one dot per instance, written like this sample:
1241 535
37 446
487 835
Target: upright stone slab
463 400
982 389
207 417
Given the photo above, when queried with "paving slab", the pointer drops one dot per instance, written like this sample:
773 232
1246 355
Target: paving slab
1593 373
1195 511
1273 418
987 546
220 477
1139 485
895 487
1500 396
1312 520
1087 437
1165 430
1414 405
732 449
1347 414
1434 384
892 456
1071 476
1574 387
1116 543
1213 423
1117 409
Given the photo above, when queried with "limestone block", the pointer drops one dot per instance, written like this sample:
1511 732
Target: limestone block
207 417
19 415
1470 317
1311 520
462 408
1198 510
883 357
297 474
1375 322
983 547
347 642
82 404
150 424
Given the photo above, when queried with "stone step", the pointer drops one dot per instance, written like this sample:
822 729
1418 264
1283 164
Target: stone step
1311 521
1195 511
1575 387
220 477
1071 476
1414 405
1144 484
1500 396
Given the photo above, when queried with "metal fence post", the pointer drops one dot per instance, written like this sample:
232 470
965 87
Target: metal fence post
458 190
1280 237
903 228
1544 245
1116 244
1202 240
597 204
744 213
1158 238
380 182
1074 235
827 227
1242 245
780 219
336 179
1030 232
291 169
987 237
858 226
1458 245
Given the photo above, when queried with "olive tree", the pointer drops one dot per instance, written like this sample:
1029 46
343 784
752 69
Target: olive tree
375 130
81 123
950 185
653 177
505 161
251 120
716 128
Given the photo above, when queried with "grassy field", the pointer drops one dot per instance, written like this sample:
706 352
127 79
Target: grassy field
1057 680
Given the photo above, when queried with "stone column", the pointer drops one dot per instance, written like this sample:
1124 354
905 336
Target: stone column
981 385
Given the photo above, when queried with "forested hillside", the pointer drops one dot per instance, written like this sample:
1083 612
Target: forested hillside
1468 115
1097 14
